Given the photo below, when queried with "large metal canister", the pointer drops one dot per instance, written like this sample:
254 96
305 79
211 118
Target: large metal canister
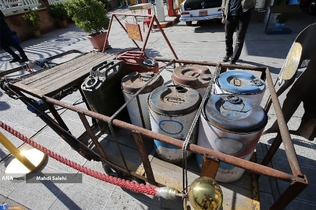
241 83
172 110
231 125
138 107
102 91
194 76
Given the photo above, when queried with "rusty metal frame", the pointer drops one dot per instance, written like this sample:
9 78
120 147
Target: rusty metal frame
298 181
153 19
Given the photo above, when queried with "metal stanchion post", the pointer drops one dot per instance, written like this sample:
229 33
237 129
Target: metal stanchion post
24 162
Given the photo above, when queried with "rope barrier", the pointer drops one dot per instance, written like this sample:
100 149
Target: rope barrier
133 186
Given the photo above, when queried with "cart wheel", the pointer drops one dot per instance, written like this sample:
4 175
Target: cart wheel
312 7
188 23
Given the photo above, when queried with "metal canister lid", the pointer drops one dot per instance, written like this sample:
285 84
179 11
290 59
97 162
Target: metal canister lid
92 83
194 76
134 81
174 100
240 82
232 113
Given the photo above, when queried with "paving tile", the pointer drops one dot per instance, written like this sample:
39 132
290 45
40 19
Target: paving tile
83 195
266 200
121 199
11 203
37 195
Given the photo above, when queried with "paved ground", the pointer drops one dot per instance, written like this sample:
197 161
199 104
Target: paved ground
198 42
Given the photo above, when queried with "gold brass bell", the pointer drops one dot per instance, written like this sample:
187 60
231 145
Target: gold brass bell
205 194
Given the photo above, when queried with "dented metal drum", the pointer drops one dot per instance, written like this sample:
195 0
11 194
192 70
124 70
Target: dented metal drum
241 83
172 110
233 126
138 107
194 76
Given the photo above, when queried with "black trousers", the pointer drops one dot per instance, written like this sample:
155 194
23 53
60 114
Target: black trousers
7 40
239 23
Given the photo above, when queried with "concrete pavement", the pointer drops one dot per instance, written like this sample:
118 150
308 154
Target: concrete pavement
203 42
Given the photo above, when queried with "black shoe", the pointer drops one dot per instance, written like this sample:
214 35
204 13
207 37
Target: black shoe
227 58
15 60
24 59
232 62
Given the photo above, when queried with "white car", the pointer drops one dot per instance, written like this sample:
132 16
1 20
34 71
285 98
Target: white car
197 10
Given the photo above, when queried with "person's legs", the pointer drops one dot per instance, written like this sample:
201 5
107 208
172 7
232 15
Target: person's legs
4 45
19 49
242 26
9 38
230 26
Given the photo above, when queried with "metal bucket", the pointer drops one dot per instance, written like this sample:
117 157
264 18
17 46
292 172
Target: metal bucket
172 110
194 76
233 126
241 83
102 91
138 107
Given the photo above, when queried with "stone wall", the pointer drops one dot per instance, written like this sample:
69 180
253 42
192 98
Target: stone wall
48 23
16 23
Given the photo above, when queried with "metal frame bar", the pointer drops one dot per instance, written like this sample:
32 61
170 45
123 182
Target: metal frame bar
153 19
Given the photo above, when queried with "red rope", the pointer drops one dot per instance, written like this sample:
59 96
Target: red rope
133 186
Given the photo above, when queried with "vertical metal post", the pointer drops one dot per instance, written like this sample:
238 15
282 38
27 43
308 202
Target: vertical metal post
92 136
144 157
56 115
283 130
16 153
209 166
274 147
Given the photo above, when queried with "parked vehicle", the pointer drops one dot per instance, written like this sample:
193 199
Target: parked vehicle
197 10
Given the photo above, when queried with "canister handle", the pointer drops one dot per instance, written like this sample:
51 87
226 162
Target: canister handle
149 62
232 99
237 82
256 82
146 76
96 70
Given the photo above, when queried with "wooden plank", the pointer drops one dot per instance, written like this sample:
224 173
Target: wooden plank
69 74
55 79
63 68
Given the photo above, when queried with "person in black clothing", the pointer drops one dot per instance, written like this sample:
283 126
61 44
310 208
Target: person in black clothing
236 15
7 40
